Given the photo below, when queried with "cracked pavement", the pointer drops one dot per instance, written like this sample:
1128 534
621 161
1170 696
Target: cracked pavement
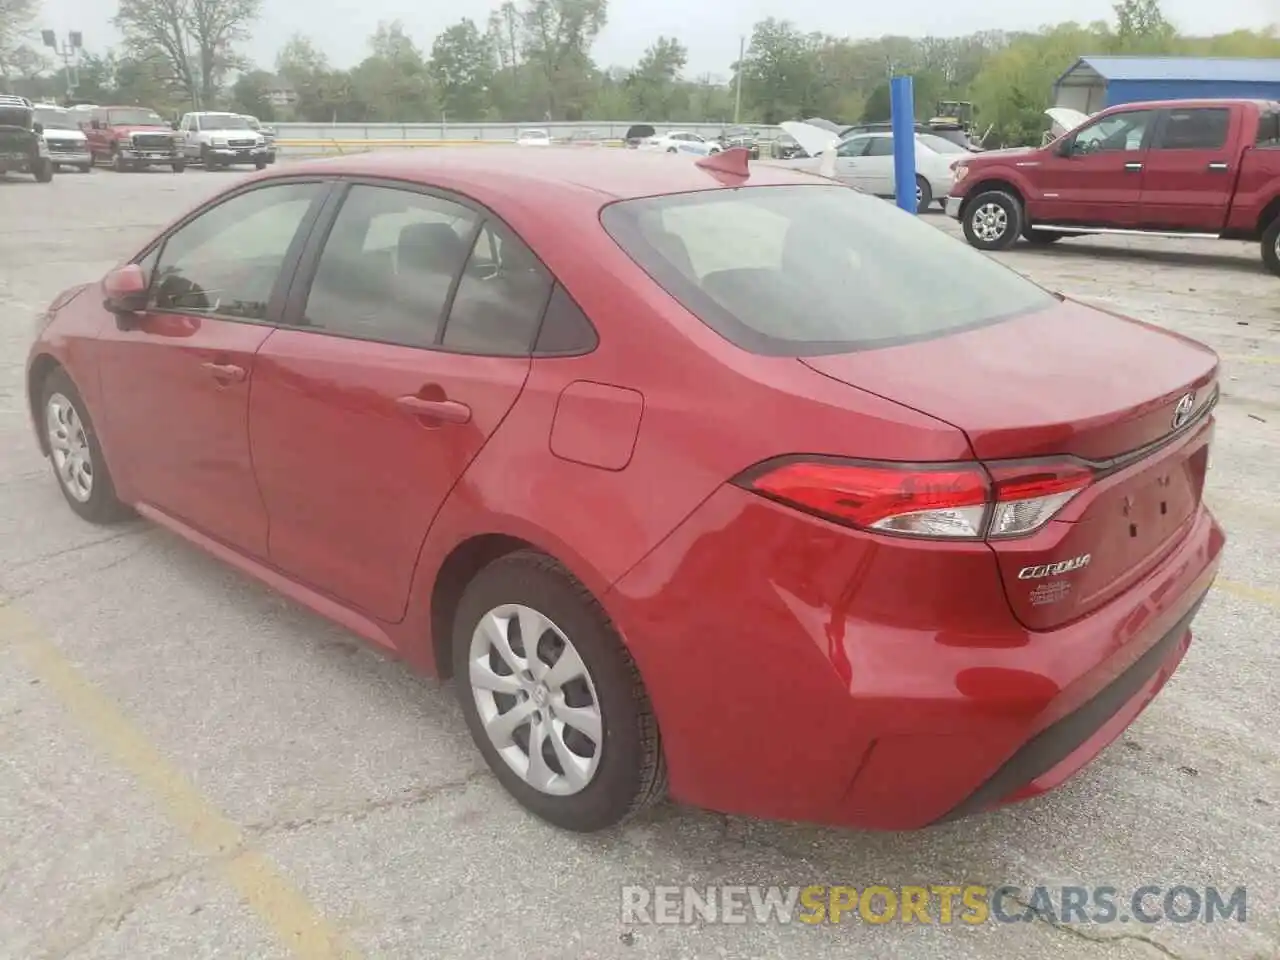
359 784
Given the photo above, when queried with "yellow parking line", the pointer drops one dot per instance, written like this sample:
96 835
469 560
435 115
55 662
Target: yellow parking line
294 920
1249 358
1245 592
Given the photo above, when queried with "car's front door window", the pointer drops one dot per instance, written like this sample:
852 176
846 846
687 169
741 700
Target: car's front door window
228 260
1119 132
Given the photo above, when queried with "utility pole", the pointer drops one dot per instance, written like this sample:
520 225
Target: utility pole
737 95
69 51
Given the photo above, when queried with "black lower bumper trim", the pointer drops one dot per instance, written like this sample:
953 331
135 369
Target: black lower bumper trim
1058 741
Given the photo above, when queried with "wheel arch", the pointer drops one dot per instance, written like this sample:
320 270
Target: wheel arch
39 370
1268 214
988 184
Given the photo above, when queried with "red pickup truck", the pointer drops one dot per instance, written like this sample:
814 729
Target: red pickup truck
1184 168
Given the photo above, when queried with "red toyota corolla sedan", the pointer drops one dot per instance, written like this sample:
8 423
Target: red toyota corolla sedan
733 483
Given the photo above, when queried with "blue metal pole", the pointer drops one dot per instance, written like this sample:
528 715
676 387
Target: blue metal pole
902 111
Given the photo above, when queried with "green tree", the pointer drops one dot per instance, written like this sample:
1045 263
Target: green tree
462 66
197 39
392 83
557 36
653 88
249 95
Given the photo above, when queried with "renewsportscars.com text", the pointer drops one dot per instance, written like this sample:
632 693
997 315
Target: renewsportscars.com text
943 904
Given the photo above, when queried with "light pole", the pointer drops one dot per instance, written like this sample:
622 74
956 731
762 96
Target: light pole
69 51
737 94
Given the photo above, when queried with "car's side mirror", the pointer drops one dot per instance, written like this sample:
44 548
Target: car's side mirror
95 124
37 128
125 290
1067 147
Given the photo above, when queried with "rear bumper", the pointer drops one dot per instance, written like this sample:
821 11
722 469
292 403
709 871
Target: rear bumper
801 671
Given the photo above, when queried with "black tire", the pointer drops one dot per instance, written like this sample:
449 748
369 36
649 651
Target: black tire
1040 237
924 195
43 171
260 164
85 167
672 150
998 234
178 166
101 506
1271 246
631 774
118 163
206 159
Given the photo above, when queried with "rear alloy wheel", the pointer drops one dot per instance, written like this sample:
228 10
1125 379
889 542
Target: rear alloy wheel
993 221
924 195
75 453
1271 246
552 698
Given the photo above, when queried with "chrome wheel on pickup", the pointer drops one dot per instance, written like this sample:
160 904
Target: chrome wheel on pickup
992 220
1271 246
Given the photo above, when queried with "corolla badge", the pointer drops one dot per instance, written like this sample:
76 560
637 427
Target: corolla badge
1054 569
1182 411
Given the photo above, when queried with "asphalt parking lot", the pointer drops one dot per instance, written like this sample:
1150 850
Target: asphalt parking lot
192 767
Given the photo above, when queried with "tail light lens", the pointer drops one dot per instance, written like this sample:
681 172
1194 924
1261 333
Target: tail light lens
968 501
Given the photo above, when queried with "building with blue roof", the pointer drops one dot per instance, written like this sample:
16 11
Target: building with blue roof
1093 83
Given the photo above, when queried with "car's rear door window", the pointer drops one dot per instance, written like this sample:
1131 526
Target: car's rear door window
500 297
389 264
809 269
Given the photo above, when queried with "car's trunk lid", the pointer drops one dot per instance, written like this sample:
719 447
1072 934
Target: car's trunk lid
1077 382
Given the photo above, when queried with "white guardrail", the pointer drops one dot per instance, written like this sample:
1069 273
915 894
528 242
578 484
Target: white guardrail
322 138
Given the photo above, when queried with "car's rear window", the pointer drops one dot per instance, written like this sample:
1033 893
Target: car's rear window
813 269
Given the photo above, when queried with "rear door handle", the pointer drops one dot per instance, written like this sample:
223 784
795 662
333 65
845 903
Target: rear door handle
446 411
225 371
1133 166
1218 165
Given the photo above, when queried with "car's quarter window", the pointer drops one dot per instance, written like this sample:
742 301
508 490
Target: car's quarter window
814 269
1117 132
881 147
228 259
500 298
1200 128
388 266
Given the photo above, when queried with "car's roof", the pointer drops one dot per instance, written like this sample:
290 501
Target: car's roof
612 174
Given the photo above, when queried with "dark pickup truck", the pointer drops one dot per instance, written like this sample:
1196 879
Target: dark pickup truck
1187 168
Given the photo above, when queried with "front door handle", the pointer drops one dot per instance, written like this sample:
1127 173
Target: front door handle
446 411
225 371
1218 166
1133 166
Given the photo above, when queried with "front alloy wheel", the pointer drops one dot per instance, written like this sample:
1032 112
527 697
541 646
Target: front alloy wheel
69 448
75 453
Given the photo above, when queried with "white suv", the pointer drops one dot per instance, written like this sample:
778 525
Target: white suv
221 140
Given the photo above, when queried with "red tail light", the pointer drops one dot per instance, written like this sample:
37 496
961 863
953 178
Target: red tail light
968 501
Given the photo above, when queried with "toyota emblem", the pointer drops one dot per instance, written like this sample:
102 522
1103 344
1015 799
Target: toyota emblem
1182 411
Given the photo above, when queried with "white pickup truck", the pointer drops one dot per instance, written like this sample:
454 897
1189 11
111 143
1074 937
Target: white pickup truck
221 140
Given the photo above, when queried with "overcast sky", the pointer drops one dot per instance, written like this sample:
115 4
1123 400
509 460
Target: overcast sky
709 29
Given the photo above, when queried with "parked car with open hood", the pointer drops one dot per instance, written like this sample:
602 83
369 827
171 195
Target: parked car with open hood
865 161
132 138
22 145
68 145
